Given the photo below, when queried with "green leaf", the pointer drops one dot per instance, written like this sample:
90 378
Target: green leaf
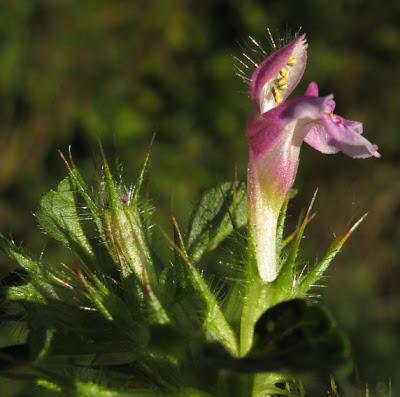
265 384
81 187
293 336
59 217
38 288
25 293
29 264
194 299
218 213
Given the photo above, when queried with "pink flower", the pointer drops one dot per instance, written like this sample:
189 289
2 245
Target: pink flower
276 131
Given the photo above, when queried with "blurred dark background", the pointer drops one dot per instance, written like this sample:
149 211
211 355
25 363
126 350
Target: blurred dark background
74 72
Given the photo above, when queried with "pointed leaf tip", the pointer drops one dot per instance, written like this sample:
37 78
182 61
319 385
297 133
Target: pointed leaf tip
139 182
285 277
314 274
220 212
353 228
310 207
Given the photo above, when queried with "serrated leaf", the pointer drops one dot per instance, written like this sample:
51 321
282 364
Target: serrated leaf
59 217
217 214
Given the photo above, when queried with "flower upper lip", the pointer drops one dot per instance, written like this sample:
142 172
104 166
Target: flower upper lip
285 65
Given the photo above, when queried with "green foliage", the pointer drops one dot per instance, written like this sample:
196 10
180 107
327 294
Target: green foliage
58 215
219 212
116 319
192 295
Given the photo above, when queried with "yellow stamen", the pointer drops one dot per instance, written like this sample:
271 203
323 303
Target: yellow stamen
277 95
283 72
282 82
283 87
291 61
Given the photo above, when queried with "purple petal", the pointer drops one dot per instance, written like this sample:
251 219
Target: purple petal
346 136
312 89
318 138
333 133
266 85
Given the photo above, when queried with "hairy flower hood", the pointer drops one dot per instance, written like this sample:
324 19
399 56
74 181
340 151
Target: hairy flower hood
276 131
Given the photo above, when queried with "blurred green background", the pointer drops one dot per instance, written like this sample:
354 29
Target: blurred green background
75 72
